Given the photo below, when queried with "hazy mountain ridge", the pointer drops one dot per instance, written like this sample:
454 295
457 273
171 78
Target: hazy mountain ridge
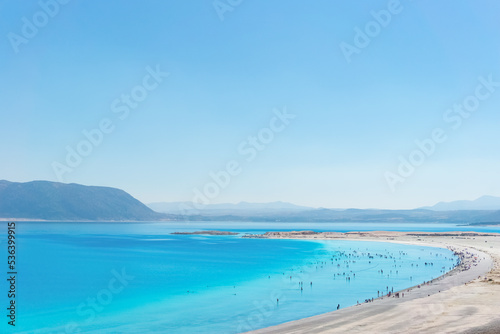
242 208
481 203
239 212
72 202
59 201
360 216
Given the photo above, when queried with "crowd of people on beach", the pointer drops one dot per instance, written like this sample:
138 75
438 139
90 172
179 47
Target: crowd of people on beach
467 259
343 264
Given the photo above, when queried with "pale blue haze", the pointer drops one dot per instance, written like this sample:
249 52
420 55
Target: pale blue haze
353 119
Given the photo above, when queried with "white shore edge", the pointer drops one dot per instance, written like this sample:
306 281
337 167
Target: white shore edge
456 302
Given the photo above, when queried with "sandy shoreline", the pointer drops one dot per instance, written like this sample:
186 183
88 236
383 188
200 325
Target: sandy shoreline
458 302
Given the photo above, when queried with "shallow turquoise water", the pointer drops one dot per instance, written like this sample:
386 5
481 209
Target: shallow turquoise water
133 278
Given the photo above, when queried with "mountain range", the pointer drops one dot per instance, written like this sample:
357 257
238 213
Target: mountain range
44 200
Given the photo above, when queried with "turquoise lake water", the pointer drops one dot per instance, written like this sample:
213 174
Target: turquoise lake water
138 278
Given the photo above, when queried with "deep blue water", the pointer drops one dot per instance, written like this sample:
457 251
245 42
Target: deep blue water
137 277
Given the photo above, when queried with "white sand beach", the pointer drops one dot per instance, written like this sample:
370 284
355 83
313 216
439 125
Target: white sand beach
465 300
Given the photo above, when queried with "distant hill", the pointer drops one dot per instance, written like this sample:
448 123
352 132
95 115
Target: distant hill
59 201
287 212
242 208
74 202
492 217
482 203
354 216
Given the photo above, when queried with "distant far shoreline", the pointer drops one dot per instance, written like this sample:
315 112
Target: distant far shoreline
484 224
207 233
388 235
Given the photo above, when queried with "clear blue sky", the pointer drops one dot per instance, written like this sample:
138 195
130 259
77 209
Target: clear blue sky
354 119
